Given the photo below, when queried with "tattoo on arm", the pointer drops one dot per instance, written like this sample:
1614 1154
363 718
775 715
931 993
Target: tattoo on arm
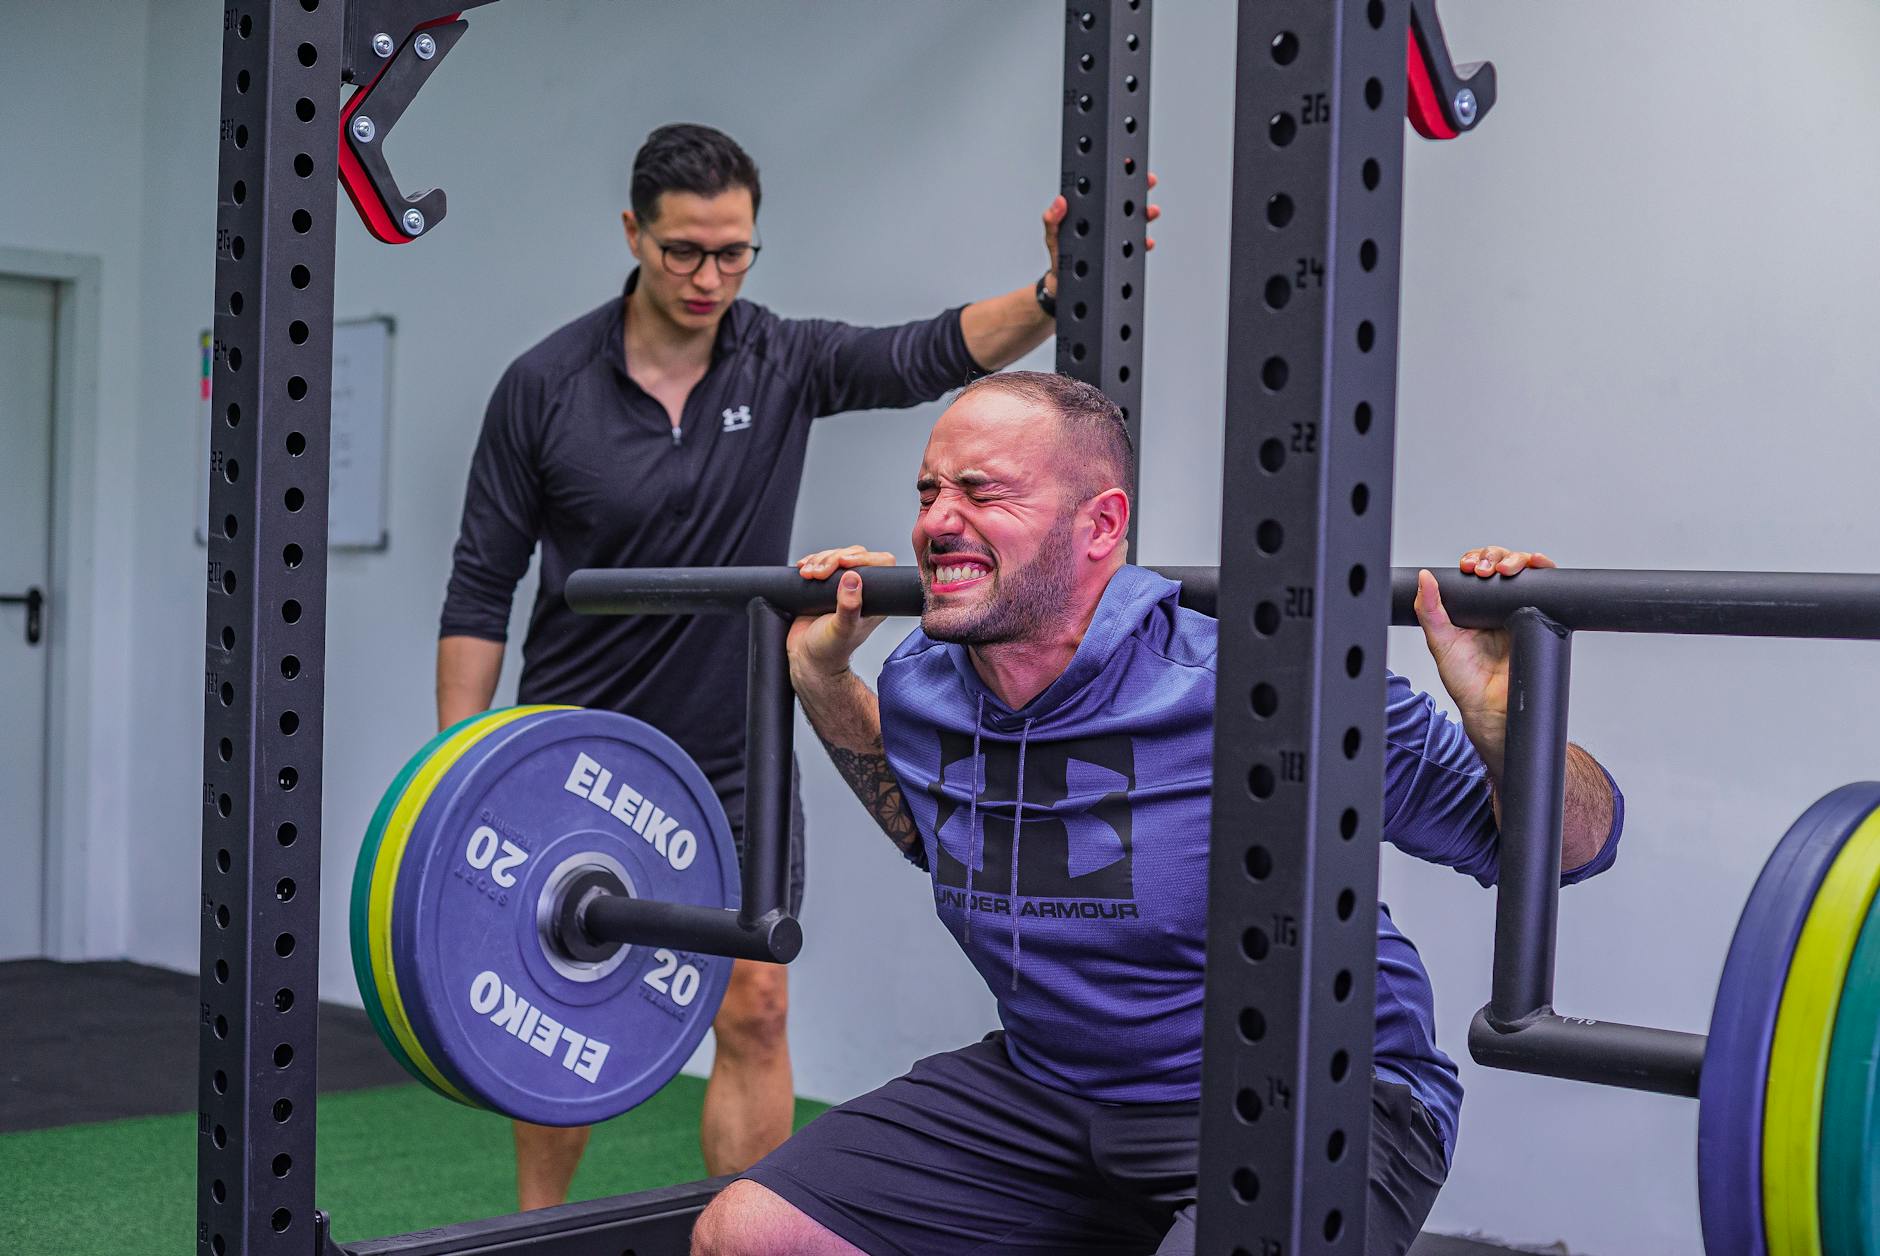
873 781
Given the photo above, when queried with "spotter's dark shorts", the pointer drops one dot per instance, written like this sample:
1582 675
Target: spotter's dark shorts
730 790
966 1155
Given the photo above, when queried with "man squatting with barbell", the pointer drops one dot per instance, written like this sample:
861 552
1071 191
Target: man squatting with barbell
1044 741
667 428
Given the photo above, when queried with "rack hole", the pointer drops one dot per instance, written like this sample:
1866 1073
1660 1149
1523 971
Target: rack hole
303 165
1130 83
1122 375
1083 143
222 916
1347 903
296 388
1084 103
1361 417
227 693
1265 700
1272 454
1281 129
241 82
284 889
1269 536
1367 255
1373 174
309 54
1123 332
1367 336
290 611
221 972
1086 61
1373 93
1355 581
1259 862
1348 824
239 192
1247 1104
228 643
294 499
1341 985
300 276
1360 499
283 1055
297 332
1279 210
1252 1024
1078 353
235 303
1246 1185
281 1220
1279 292
282 1164
303 109
241 140
284 945
296 444
1129 123
1374 14
221 1027
220 1082
228 583
290 666
1341 1065
283 999
289 778
1334 1225
283 1109
1261 783
230 526
1266 618
1273 373
292 556
1354 662
1128 290
1285 48
219 1136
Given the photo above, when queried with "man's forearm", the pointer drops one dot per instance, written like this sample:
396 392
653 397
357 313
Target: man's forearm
467 671
847 717
1587 815
1001 330
1586 811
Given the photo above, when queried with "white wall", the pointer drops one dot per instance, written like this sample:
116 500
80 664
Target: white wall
72 146
1634 313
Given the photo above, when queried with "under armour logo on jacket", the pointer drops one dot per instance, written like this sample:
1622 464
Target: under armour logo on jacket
737 420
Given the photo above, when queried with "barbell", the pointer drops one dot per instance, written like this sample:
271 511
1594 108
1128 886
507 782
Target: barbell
500 968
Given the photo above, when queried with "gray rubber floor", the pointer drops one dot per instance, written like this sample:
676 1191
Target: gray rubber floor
95 1042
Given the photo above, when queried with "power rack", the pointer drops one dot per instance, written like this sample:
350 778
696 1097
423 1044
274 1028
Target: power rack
1320 97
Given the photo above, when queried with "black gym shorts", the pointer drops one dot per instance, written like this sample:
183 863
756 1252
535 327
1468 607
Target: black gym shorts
965 1154
730 790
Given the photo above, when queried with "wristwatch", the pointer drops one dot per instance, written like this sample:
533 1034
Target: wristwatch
1046 301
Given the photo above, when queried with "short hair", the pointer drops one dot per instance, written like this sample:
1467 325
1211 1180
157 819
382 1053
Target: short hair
688 157
1091 426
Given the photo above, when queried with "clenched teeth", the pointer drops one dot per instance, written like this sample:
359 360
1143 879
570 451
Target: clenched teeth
957 574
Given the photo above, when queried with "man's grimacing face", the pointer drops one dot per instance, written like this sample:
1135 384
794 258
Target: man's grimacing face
996 533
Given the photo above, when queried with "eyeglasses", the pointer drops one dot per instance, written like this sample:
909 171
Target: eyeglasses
682 257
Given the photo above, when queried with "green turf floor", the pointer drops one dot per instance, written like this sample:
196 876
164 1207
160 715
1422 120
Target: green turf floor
391 1160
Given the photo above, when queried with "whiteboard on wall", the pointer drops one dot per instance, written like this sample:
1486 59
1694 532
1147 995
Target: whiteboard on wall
362 393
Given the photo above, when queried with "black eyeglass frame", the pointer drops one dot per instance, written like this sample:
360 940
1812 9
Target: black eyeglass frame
716 255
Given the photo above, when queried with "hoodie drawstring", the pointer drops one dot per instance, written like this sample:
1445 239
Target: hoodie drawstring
973 843
1018 826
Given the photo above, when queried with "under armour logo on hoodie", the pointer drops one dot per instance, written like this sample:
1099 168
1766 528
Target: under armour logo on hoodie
1080 851
737 420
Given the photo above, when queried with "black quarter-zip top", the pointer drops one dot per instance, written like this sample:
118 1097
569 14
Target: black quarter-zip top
577 458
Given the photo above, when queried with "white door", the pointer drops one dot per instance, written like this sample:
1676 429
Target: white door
28 314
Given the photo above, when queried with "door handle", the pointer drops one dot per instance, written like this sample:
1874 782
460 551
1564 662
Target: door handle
34 601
